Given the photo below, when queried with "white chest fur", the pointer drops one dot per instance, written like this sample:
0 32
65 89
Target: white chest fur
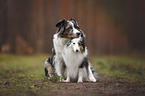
72 61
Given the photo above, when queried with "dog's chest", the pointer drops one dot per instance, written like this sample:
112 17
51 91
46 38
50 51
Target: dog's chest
71 58
72 61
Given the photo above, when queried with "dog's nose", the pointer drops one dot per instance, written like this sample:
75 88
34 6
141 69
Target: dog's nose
77 50
78 34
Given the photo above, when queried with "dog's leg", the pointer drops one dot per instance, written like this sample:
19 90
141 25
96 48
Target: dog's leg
67 80
48 69
58 67
46 72
91 76
45 67
68 77
80 76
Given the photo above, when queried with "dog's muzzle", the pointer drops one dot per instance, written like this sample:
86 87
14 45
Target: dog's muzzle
77 50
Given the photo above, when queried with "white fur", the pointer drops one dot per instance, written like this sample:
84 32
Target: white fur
74 44
58 46
73 60
91 76
74 29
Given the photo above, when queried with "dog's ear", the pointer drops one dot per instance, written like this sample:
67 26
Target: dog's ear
74 21
61 22
83 43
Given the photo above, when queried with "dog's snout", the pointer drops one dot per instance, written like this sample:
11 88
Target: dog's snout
77 50
78 34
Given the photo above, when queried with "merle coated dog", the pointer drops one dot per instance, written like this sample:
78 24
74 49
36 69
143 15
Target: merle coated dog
67 29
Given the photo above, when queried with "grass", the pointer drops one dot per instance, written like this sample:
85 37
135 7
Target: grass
127 68
24 74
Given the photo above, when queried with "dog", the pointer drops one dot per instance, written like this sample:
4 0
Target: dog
77 66
67 29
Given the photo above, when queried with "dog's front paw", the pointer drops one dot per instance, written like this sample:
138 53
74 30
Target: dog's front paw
93 80
66 81
80 81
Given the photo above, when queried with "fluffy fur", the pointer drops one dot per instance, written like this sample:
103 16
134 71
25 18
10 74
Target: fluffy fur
67 29
68 59
75 59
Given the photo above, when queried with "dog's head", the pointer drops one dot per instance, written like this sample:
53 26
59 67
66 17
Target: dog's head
77 44
69 29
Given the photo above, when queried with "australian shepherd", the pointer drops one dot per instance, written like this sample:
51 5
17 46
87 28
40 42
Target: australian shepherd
67 29
69 54
77 66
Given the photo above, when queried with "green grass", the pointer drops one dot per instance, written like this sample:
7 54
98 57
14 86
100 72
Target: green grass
24 74
127 68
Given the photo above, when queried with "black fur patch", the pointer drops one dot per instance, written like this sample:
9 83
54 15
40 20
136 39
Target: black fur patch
83 43
46 72
82 34
61 23
84 63
50 59
63 32
76 25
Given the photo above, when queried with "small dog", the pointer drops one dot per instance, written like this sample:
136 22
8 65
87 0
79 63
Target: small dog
78 67
67 29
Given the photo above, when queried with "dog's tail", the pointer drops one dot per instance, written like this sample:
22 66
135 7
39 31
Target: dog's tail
96 75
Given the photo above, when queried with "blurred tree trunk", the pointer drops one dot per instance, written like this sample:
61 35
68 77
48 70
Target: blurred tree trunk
3 22
40 22
12 27
136 19
27 26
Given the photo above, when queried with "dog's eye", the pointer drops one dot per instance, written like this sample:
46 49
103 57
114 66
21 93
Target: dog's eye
79 44
73 43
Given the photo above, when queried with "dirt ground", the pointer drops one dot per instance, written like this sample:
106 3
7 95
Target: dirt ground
25 79
105 87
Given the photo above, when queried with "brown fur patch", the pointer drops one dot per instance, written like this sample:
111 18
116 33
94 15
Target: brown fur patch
81 48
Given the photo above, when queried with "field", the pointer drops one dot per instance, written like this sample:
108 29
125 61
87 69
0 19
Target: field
24 75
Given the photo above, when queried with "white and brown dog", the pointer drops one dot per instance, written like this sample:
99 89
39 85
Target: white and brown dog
67 29
78 68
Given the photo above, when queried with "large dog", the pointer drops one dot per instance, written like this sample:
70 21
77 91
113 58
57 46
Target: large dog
67 29
75 59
